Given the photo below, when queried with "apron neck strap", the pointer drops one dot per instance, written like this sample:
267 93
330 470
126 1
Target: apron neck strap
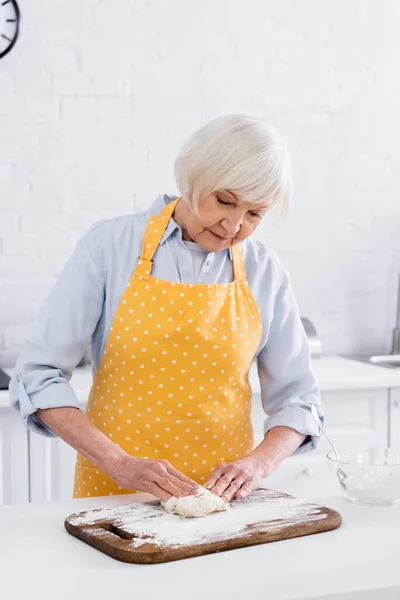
153 233
155 230
239 272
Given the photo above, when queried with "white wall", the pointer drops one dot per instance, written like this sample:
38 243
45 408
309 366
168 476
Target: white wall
97 97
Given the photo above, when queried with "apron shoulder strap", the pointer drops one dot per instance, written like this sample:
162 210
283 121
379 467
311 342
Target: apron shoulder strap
239 272
154 231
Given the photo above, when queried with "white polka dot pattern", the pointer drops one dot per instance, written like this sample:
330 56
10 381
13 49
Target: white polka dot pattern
173 380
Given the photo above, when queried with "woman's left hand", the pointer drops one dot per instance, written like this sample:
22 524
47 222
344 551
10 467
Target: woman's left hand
238 478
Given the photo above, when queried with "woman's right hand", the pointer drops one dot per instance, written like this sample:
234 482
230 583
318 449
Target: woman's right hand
157 477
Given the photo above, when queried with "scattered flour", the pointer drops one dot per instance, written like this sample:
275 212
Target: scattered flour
373 484
265 508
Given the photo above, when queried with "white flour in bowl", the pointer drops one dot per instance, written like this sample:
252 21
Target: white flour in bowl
373 484
144 520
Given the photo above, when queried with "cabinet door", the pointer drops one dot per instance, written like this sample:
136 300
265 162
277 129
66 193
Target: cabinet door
356 418
395 418
52 467
52 464
14 473
353 418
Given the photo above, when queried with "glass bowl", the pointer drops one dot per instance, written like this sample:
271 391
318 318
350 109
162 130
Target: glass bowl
372 475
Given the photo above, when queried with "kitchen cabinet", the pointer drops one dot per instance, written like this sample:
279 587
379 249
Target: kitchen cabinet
51 460
353 417
51 466
14 458
395 418
356 417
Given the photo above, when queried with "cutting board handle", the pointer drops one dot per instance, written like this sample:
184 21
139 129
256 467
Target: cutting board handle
109 539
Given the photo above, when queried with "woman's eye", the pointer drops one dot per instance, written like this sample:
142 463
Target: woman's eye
255 215
223 202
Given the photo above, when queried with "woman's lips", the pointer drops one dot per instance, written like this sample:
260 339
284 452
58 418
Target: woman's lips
219 237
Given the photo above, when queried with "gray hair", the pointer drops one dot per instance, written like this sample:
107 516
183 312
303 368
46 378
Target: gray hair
241 154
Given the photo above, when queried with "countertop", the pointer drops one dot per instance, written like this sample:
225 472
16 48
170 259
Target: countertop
360 560
332 372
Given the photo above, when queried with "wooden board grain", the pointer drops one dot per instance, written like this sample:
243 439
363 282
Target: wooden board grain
112 531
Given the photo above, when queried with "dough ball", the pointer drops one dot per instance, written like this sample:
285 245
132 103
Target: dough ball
197 505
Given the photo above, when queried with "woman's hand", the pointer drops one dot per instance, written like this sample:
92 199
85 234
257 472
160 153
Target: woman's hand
157 477
238 478
241 477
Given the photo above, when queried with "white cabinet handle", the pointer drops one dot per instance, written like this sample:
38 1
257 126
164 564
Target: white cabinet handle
309 471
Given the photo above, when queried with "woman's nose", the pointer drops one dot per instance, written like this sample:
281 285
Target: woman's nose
232 225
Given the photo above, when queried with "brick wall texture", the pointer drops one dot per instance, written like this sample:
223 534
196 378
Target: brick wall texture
97 98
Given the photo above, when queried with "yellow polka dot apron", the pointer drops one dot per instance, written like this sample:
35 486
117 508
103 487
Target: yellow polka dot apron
173 380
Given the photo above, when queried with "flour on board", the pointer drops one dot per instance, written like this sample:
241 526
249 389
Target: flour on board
148 521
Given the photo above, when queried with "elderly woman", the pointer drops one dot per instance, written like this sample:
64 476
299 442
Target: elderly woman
177 302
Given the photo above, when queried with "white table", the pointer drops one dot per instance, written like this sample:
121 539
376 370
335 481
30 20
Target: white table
40 560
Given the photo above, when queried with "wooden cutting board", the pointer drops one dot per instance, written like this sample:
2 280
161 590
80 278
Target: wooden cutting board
145 533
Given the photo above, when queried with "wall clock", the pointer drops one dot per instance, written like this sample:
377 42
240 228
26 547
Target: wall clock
9 25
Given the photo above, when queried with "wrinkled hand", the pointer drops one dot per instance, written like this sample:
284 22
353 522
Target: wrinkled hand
157 477
238 478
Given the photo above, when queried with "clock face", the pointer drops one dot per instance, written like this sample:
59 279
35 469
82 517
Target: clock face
9 25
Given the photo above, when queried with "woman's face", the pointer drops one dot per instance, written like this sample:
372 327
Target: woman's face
223 220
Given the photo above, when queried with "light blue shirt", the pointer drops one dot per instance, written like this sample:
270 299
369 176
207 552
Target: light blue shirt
81 306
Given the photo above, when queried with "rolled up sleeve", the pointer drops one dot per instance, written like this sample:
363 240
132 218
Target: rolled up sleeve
59 336
288 384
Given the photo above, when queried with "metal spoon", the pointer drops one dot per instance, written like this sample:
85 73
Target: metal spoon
340 474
